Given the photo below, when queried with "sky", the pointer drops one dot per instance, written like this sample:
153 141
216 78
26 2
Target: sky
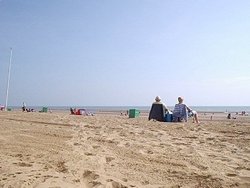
125 52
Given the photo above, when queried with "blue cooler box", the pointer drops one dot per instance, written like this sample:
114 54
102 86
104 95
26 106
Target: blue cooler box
168 117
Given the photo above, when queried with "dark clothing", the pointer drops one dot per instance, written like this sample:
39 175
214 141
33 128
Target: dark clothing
72 111
157 111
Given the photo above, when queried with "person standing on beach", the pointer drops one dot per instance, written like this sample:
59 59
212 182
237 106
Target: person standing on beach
24 107
182 111
158 110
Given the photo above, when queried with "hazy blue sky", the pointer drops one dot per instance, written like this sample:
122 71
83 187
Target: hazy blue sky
125 52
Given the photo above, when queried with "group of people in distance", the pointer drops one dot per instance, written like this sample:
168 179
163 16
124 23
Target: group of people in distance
24 109
180 113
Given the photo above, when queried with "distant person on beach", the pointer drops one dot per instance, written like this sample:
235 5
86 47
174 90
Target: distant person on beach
24 107
1 107
72 111
158 110
182 112
29 110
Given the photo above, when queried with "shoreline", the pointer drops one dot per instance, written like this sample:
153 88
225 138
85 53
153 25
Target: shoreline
119 111
144 109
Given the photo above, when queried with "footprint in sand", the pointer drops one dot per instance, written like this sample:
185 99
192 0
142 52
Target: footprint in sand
88 179
95 147
22 164
77 144
146 151
231 174
89 154
109 159
145 182
114 184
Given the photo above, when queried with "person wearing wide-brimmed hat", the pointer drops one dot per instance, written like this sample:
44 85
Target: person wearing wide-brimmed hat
182 112
158 110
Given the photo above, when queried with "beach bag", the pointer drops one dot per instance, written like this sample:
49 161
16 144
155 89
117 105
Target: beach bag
168 117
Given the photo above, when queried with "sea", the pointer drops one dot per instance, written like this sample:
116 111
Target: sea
224 109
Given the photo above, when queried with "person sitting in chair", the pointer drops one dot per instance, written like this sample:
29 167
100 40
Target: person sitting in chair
182 111
158 110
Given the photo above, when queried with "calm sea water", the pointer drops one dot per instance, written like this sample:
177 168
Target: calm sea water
146 108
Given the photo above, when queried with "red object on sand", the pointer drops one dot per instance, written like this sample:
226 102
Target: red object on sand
81 112
78 112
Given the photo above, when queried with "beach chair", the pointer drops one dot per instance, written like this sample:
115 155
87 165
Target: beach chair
180 113
168 117
157 112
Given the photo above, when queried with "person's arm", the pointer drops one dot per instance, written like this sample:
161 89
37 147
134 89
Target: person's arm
166 110
189 109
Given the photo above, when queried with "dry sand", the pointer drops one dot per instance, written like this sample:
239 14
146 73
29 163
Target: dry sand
61 150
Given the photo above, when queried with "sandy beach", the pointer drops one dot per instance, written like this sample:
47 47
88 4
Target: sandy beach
114 151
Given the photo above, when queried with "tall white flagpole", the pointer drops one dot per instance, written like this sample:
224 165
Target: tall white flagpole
8 81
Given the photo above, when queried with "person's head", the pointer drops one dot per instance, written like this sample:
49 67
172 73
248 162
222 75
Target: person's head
180 99
157 99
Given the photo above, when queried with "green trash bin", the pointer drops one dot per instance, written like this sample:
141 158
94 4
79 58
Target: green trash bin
133 113
8 109
45 109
